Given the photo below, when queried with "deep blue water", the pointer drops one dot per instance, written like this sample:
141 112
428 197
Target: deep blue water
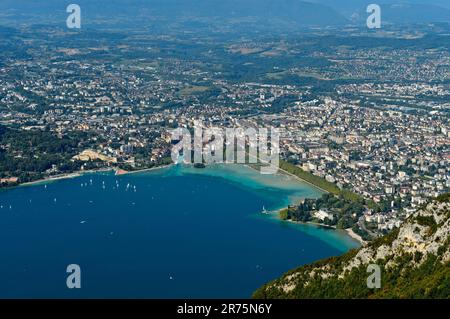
179 235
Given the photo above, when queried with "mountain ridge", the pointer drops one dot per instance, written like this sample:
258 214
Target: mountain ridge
300 12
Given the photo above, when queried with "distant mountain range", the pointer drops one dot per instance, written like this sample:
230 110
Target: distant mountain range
352 4
299 12
394 11
319 13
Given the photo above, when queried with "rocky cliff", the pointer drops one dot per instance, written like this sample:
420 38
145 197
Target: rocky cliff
414 261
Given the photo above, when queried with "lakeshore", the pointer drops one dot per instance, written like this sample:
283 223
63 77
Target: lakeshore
354 235
121 172
50 179
64 176
292 181
180 232
117 171
302 180
349 232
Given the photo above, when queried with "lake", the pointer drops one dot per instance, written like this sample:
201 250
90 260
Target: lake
176 232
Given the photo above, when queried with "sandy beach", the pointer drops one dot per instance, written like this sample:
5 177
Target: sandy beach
123 172
64 176
349 232
355 236
50 179
80 173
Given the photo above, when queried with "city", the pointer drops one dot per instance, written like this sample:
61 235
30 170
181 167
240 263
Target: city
382 139
89 103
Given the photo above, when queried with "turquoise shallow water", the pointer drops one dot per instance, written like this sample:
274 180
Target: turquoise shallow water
177 232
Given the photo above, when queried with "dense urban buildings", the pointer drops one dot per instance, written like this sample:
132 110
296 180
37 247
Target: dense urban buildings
368 119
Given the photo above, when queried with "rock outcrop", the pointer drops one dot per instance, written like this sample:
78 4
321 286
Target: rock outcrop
414 261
